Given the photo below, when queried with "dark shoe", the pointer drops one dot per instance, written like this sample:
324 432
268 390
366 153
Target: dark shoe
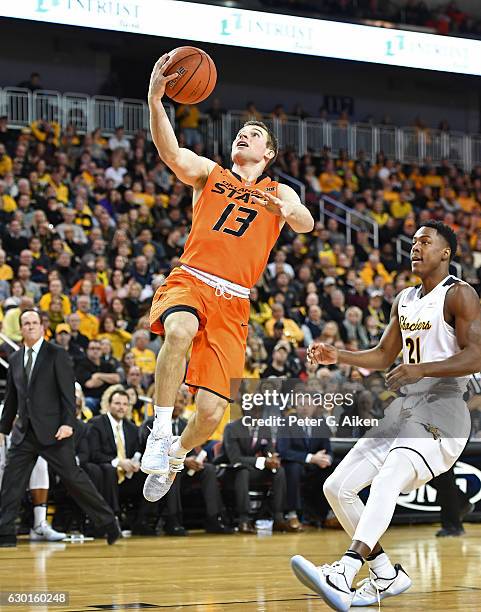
246 527
215 525
281 526
174 528
465 509
112 531
143 529
452 532
8 541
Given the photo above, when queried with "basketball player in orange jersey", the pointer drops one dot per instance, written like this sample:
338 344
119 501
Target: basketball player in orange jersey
237 217
437 326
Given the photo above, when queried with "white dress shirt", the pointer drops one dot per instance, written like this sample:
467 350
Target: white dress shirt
35 350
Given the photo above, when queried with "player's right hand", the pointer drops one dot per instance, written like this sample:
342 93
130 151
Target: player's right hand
321 353
2 439
158 81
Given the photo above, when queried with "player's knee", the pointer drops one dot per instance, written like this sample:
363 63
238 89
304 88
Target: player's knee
330 487
336 492
210 410
179 336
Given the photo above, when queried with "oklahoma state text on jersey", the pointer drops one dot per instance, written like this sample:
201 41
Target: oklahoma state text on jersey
231 236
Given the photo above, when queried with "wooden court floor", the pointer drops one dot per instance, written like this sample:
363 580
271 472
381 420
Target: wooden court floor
232 573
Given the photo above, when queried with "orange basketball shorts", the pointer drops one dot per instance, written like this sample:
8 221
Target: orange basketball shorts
218 348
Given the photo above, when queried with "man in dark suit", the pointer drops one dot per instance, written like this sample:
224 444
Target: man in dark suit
306 455
251 452
196 472
115 447
40 389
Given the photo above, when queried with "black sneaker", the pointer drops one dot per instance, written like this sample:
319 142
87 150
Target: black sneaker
452 532
174 528
112 531
215 525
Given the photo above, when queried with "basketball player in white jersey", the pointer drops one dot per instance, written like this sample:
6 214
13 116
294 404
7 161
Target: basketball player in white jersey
437 325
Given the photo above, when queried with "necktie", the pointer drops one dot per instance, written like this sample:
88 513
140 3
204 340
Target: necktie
28 366
120 453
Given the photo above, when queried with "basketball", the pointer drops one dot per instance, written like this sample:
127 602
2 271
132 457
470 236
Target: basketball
197 75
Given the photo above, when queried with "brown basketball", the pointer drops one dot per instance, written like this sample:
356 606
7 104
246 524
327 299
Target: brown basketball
197 75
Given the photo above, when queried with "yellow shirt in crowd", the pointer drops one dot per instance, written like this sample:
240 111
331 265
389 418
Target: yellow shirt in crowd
145 360
44 303
89 325
330 182
6 272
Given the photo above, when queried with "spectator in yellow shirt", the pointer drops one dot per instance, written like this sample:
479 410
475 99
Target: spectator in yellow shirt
6 163
146 197
144 358
466 201
373 267
11 320
292 331
251 113
7 203
260 311
378 213
6 272
89 324
119 338
432 179
401 208
61 189
55 289
331 183
188 116
42 129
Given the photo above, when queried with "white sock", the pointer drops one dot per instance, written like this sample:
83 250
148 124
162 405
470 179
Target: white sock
39 515
352 567
177 450
382 566
291 515
163 418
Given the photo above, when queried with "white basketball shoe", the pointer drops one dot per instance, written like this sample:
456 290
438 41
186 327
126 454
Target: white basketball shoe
371 590
158 485
155 459
328 581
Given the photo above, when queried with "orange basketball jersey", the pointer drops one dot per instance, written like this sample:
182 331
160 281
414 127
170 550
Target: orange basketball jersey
231 236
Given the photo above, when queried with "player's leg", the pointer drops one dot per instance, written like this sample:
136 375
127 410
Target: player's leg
39 485
180 327
334 582
201 425
18 467
217 359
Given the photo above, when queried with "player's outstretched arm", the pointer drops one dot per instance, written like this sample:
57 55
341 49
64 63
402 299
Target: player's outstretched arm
378 358
288 207
188 167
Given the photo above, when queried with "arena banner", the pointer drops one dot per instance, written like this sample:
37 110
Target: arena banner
259 30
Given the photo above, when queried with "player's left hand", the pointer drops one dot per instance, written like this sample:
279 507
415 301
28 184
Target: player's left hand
404 374
64 431
273 205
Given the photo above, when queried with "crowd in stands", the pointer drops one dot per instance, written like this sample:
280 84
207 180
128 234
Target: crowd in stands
90 226
445 18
